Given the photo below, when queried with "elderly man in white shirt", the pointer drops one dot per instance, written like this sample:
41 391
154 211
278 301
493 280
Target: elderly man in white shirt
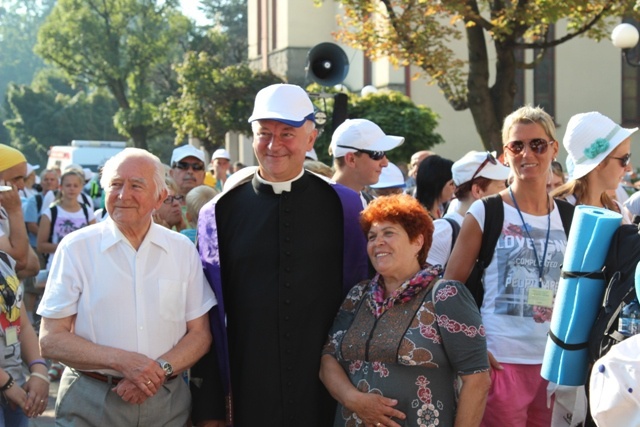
125 308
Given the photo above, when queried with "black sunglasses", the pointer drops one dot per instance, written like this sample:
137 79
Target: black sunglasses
375 155
186 165
170 199
489 159
624 160
538 146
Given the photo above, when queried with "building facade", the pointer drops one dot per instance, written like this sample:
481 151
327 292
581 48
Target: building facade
578 76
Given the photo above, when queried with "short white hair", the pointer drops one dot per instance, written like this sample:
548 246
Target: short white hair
111 167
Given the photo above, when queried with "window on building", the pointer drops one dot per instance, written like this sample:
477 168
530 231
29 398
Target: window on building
518 100
259 33
544 78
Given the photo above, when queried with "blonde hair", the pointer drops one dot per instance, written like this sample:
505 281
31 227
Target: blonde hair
172 185
579 188
68 172
529 114
196 198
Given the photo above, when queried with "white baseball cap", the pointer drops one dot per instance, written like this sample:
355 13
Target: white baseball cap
361 134
614 387
391 177
589 139
88 174
469 165
31 168
285 103
221 153
185 151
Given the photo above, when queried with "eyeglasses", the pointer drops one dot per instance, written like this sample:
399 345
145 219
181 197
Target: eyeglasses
489 159
624 160
538 146
375 155
170 199
196 167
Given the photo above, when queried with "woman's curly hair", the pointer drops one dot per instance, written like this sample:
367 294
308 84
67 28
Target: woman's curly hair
405 211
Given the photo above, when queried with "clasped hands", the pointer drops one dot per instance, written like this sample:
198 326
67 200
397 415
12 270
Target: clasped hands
143 378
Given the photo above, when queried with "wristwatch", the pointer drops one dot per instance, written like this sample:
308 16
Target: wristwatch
166 367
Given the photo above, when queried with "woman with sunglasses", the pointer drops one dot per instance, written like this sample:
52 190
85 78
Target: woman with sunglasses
434 185
521 280
600 153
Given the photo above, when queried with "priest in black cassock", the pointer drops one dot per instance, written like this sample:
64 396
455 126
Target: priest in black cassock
280 248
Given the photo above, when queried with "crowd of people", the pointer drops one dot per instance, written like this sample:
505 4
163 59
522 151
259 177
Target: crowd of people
294 292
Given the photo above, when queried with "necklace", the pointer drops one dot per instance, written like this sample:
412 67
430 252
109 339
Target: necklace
526 230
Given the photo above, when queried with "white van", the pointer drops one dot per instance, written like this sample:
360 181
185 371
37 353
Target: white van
88 154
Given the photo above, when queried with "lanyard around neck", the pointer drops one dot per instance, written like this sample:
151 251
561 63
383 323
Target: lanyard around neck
526 230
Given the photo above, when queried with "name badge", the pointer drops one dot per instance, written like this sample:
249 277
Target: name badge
540 297
11 335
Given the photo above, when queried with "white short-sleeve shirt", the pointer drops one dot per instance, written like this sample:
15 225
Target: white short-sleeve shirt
138 301
440 249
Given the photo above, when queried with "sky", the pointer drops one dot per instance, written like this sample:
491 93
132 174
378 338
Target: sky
190 8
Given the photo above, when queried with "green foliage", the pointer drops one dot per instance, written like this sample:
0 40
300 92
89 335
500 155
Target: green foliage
213 99
395 113
19 22
41 118
230 17
421 32
123 45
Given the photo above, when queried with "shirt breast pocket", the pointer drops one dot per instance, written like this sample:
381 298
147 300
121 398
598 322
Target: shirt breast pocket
172 298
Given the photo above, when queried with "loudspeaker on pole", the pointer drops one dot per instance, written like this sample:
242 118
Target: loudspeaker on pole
327 64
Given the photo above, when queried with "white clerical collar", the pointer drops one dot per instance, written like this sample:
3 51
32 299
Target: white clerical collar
279 187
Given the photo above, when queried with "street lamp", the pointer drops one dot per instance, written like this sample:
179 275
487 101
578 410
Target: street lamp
625 37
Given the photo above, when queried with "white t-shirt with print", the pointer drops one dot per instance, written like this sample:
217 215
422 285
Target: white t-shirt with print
66 222
517 331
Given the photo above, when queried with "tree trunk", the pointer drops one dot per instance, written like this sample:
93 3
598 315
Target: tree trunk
139 136
480 100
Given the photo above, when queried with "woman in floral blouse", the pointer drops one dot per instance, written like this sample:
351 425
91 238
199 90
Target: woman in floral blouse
396 349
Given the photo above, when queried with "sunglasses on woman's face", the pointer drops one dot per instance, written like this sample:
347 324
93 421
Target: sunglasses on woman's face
624 160
537 145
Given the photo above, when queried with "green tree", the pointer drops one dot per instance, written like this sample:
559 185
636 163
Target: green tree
420 32
41 116
213 100
395 113
122 45
19 23
229 17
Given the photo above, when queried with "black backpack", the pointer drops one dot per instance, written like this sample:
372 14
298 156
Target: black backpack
619 276
493 219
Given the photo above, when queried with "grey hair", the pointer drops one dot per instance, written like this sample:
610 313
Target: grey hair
111 167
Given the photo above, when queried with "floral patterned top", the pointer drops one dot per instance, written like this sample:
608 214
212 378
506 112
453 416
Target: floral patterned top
409 351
